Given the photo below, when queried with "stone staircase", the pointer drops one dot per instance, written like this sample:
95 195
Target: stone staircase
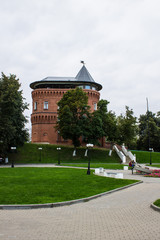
128 154
125 155
127 159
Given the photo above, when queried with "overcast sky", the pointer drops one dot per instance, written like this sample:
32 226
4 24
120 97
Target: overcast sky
119 40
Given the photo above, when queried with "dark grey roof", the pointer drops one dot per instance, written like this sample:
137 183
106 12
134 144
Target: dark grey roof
59 79
84 75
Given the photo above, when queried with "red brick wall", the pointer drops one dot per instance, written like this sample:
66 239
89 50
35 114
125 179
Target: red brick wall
44 120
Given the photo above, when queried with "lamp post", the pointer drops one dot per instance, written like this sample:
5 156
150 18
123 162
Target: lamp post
151 150
148 125
58 149
40 149
1 151
89 146
13 148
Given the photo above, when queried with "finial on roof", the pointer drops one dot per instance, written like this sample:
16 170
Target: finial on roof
83 62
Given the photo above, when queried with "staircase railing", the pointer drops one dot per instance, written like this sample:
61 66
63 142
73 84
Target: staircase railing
120 154
128 153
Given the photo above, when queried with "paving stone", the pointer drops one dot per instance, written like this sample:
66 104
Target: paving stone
122 215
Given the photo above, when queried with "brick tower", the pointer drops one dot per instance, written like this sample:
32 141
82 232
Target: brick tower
45 96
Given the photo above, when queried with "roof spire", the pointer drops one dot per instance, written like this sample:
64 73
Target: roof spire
83 62
83 75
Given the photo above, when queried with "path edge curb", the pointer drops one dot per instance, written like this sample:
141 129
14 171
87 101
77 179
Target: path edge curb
155 207
67 203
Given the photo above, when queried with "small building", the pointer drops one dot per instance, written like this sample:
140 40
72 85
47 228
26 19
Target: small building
45 96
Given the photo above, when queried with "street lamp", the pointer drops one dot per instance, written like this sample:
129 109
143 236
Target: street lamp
13 148
40 149
58 149
151 150
89 146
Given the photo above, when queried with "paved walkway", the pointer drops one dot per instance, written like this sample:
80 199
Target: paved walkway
121 215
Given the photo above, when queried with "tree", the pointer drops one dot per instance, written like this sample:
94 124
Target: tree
109 121
12 119
149 131
73 115
75 120
127 128
101 123
93 129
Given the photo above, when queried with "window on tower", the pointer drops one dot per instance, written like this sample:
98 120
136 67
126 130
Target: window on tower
45 105
95 106
35 105
87 87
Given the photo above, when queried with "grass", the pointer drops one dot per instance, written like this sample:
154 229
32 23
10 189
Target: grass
96 165
154 165
29 153
157 203
49 185
144 156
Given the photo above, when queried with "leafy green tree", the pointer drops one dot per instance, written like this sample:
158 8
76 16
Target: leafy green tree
101 123
93 129
127 128
12 119
149 131
109 120
73 115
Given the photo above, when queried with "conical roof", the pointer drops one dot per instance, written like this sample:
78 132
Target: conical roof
84 76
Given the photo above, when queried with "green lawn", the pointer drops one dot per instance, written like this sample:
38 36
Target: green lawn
154 165
96 165
157 203
49 185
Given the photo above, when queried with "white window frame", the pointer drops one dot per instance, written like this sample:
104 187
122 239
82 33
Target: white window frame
35 105
95 106
46 105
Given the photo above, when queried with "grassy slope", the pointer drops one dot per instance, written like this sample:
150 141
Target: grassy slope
46 185
29 153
